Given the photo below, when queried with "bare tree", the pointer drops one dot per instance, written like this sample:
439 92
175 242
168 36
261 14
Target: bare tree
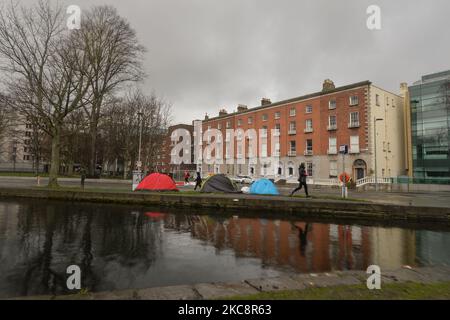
121 125
114 55
48 72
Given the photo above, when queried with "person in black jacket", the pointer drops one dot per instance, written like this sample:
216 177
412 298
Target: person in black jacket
301 180
198 181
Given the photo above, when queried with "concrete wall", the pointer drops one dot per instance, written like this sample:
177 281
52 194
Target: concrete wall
390 132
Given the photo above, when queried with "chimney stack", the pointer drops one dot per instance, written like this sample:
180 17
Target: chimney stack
206 116
222 112
242 108
265 101
328 85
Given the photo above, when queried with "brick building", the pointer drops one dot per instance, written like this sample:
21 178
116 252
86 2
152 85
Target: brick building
164 163
311 128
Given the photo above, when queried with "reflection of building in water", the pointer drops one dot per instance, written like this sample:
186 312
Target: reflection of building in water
433 248
302 246
391 248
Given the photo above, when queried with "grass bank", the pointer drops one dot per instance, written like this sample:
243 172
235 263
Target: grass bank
391 291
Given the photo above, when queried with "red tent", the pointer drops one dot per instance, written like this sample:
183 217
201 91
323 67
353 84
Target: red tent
157 182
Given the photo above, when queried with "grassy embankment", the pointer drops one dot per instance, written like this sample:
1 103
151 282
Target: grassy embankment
391 291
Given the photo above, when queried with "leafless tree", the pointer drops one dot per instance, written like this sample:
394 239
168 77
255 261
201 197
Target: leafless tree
122 122
48 72
114 55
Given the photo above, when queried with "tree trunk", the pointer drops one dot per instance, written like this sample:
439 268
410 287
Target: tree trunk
93 149
55 159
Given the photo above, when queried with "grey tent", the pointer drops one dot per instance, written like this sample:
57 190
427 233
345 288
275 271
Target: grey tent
219 183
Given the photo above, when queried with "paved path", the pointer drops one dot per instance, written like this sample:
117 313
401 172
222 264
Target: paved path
420 199
208 291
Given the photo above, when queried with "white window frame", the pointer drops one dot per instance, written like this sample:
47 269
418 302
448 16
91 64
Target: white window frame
354 100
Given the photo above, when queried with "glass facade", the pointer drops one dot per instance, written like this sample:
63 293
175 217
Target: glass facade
430 126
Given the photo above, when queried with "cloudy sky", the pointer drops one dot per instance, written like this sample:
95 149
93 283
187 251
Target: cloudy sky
207 54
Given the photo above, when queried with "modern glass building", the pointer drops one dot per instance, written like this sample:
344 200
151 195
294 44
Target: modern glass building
430 126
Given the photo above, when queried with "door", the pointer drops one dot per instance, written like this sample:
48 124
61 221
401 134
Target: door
359 173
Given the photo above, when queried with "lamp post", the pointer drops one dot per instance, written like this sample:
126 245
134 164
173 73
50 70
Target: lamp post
140 114
137 174
375 149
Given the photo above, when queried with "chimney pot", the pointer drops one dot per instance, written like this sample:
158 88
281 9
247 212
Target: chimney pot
265 101
242 108
328 85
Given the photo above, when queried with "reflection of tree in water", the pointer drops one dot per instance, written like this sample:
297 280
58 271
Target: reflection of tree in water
54 236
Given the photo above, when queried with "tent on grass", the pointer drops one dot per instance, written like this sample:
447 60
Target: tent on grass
157 182
264 187
219 183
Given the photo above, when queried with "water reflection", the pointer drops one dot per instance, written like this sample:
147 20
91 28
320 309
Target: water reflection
118 248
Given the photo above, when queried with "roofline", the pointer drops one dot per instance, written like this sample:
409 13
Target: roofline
300 98
395 94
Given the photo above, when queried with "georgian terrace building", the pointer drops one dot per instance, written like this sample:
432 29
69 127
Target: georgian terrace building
311 128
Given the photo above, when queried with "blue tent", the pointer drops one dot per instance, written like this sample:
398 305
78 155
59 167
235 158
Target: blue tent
264 186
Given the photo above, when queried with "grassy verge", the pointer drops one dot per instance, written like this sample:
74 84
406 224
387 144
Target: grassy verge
391 291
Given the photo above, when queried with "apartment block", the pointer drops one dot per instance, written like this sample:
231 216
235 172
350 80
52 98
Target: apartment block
311 129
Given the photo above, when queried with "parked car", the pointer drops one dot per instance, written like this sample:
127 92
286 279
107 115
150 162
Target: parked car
243 179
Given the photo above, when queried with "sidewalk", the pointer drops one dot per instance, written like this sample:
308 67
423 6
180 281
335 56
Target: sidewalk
418 199
254 287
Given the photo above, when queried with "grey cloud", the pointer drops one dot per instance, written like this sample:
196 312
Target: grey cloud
207 54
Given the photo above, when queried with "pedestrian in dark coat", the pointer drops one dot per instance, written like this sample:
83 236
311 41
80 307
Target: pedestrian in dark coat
301 180
198 181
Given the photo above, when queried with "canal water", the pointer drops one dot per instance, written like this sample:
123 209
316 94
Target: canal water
119 247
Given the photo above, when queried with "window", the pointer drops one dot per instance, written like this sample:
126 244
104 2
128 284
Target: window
291 171
292 147
278 127
264 131
354 100
354 120
228 124
387 101
209 127
292 112
333 169
277 115
26 158
332 104
239 122
332 148
264 117
277 149
264 150
292 127
309 109
354 144
219 126
308 125
309 145
332 124
250 120
309 169
377 100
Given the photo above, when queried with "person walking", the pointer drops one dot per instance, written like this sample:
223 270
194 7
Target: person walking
83 177
186 177
301 180
198 181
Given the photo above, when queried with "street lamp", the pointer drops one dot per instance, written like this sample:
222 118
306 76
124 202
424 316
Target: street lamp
375 149
140 114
